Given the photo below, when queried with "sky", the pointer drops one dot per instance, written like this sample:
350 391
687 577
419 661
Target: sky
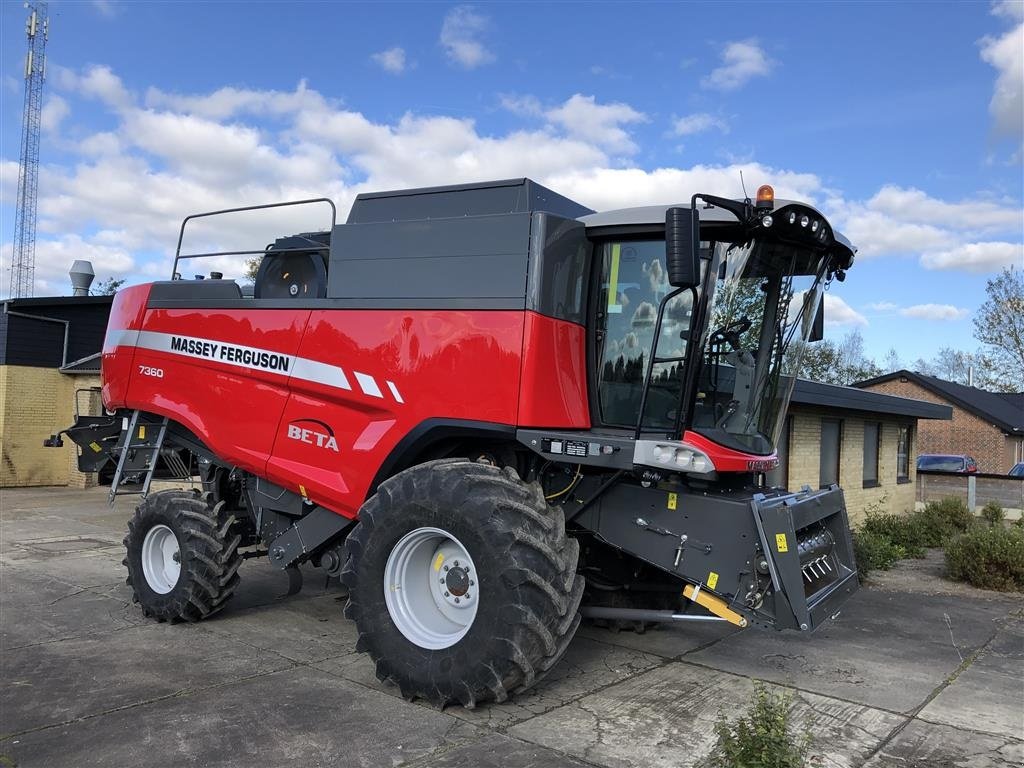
901 122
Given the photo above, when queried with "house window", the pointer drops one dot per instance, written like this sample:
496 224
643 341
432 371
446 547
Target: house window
903 455
872 435
831 438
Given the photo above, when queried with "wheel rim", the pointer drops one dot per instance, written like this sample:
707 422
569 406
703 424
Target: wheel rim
161 559
430 587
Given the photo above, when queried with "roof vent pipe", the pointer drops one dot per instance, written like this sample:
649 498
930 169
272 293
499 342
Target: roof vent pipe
970 375
81 277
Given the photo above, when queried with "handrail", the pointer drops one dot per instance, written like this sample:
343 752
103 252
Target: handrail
178 255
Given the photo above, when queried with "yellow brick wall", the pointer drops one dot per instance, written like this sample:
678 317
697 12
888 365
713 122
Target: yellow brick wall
35 403
804 462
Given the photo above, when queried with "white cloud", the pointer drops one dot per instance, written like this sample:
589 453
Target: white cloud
976 257
106 8
838 312
54 257
1006 54
53 113
97 82
742 61
1009 9
391 60
934 312
941 234
698 122
914 205
125 188
460 37
582 117
883 306
229 102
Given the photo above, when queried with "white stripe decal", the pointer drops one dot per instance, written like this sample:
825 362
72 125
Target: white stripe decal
322 373
241 356
368 384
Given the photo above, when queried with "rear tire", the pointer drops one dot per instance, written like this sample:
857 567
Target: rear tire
527 589
182 556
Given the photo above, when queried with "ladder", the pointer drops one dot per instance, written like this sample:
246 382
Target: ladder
143 441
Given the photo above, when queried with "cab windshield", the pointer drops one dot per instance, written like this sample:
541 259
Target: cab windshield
765 296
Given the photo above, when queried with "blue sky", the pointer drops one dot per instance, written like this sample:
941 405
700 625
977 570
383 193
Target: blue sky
901 121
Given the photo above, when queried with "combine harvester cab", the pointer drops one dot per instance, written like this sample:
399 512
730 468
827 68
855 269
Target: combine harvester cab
490 411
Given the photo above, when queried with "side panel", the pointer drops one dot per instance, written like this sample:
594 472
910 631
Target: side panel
126 314
366 378
223 374
554 387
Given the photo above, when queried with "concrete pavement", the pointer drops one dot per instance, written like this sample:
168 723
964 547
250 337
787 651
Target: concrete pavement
907 676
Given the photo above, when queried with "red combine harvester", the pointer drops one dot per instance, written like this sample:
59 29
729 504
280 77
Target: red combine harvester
489 410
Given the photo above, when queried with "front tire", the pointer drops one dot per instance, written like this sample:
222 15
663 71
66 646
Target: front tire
182 556
524 599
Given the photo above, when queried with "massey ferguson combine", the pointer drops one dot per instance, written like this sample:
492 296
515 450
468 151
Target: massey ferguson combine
489 410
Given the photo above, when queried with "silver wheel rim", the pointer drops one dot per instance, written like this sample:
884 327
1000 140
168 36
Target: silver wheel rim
161 559
430 588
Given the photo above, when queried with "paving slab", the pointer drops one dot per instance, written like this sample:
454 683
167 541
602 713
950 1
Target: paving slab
989 695
304 631
35 608
665 719
585 667
495 751
924 745
667 640
57 682
924 637
297 717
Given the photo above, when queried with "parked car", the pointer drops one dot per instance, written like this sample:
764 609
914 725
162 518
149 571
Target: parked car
1017 470
946 462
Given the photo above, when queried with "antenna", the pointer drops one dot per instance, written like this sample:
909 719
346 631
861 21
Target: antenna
744 186
23 261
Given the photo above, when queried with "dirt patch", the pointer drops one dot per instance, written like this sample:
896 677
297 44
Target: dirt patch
929 576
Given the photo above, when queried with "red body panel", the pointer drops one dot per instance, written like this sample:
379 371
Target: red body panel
554 387
729 460
403 367
312 400
126 314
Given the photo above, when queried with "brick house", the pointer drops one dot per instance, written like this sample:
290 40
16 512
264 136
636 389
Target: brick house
862 440
986 425
49 349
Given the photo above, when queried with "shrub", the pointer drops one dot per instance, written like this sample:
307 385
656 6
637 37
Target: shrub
762 738
993 513
905 531
875 552
990 558
940 521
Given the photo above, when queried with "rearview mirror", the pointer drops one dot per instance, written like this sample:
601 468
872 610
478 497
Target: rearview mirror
682 247
818 324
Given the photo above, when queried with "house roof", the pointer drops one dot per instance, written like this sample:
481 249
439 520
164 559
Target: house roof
1003 409
833 396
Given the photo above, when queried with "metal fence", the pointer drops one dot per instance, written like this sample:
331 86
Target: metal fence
974 490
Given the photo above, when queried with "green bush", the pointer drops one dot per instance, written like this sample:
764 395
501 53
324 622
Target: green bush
993 513
990 558
762 738
905 531
875 552
940 521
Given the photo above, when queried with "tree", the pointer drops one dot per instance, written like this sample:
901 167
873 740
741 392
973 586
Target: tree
252 266
999 326
838 363
108 287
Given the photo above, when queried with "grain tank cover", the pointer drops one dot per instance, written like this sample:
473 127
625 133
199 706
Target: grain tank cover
480 199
